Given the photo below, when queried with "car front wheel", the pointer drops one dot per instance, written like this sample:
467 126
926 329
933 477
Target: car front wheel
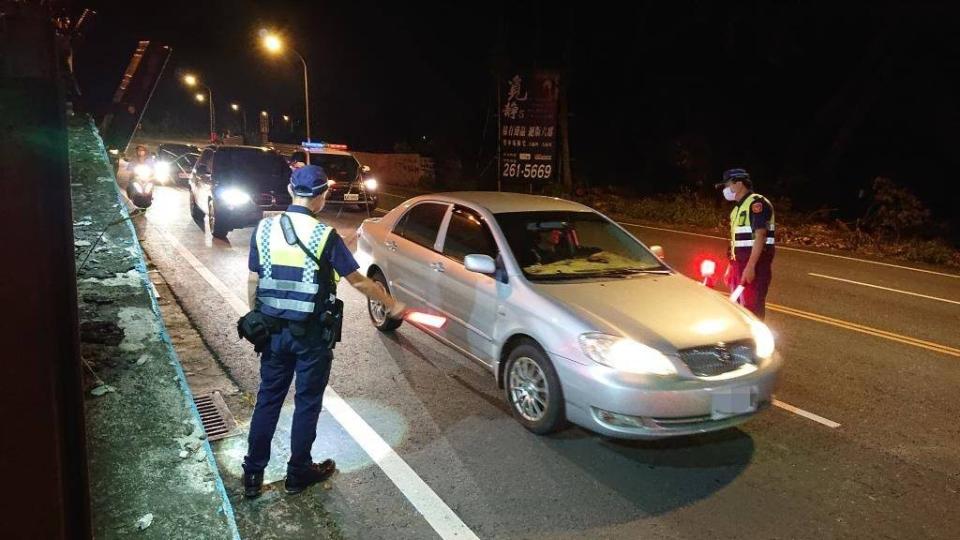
217 226
533 389
195 212
378 311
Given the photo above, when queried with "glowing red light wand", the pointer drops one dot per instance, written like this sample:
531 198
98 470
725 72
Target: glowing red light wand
425 319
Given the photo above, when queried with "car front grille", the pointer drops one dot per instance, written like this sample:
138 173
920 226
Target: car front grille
711 360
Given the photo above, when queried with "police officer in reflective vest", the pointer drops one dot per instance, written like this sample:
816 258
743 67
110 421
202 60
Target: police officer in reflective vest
752 230
295 263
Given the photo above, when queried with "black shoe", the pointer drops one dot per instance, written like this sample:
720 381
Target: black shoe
252 484
313 474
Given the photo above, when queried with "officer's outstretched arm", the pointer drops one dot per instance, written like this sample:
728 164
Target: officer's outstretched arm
373 290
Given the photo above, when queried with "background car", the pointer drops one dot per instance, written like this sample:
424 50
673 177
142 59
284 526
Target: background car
353 184
232 186
576 319
181 157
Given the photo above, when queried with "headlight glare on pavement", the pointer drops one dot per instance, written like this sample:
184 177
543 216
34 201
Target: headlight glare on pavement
625 354
234 197
762 338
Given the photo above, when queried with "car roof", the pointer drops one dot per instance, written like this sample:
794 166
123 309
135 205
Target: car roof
331 151
221 147
499 202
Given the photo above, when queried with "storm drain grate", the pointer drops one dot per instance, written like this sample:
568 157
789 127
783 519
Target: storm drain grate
218 422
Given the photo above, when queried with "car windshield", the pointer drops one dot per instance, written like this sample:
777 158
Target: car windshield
572 245
252 165
338 167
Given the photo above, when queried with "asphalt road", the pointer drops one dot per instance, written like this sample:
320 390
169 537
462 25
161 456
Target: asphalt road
883 363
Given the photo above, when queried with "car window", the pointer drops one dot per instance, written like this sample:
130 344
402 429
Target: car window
337 167
564 245
468 234
421 224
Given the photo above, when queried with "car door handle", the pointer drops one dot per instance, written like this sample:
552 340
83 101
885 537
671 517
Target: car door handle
391 245
437 266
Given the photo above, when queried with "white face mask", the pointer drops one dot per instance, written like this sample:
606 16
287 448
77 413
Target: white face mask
729 194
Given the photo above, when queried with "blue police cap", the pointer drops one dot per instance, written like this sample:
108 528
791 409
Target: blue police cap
308 181
734 175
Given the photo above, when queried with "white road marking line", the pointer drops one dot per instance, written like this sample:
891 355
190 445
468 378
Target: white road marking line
806 414
443 520
236 303
787 248
872 286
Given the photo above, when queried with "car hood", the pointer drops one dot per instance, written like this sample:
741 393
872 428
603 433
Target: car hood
667 312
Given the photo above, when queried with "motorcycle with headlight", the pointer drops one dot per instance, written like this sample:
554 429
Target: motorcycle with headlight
141 183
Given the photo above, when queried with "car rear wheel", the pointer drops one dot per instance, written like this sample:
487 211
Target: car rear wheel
217 228
378 311
533 389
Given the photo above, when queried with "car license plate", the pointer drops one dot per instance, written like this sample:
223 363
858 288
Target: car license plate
734 401
271 213
350 197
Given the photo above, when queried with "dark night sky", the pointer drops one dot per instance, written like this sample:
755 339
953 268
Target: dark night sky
816 99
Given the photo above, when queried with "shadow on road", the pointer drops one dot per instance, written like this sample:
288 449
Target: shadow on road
573 481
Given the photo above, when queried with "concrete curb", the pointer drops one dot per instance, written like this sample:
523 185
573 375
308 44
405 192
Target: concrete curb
226 506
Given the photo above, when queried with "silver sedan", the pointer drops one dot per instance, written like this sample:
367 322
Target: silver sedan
576 318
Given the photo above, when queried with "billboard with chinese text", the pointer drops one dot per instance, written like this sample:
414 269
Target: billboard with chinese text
528 126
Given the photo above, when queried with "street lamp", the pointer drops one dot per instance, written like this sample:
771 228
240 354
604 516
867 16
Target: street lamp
200 97
243 119
274 45
286 118
192 81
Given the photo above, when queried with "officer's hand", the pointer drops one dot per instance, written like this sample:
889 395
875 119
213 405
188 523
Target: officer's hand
748 274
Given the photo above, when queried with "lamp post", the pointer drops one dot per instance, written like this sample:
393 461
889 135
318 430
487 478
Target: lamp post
192 81
274 45
235 107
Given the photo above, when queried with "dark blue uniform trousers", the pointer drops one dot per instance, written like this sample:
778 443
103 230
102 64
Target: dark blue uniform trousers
286 355
754 296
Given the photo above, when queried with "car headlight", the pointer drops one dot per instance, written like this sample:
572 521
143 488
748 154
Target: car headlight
762 339
370 184
234 197
162 170
625 354
142 171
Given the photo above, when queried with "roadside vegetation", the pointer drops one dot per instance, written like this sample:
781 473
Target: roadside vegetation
895 223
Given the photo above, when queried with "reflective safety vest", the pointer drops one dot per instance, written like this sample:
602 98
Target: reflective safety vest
741 232
290 285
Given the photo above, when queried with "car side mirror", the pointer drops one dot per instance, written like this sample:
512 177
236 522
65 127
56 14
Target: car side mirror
481 264
365 168
658 251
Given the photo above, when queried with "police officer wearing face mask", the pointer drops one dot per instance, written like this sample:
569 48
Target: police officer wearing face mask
295 263
752 230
